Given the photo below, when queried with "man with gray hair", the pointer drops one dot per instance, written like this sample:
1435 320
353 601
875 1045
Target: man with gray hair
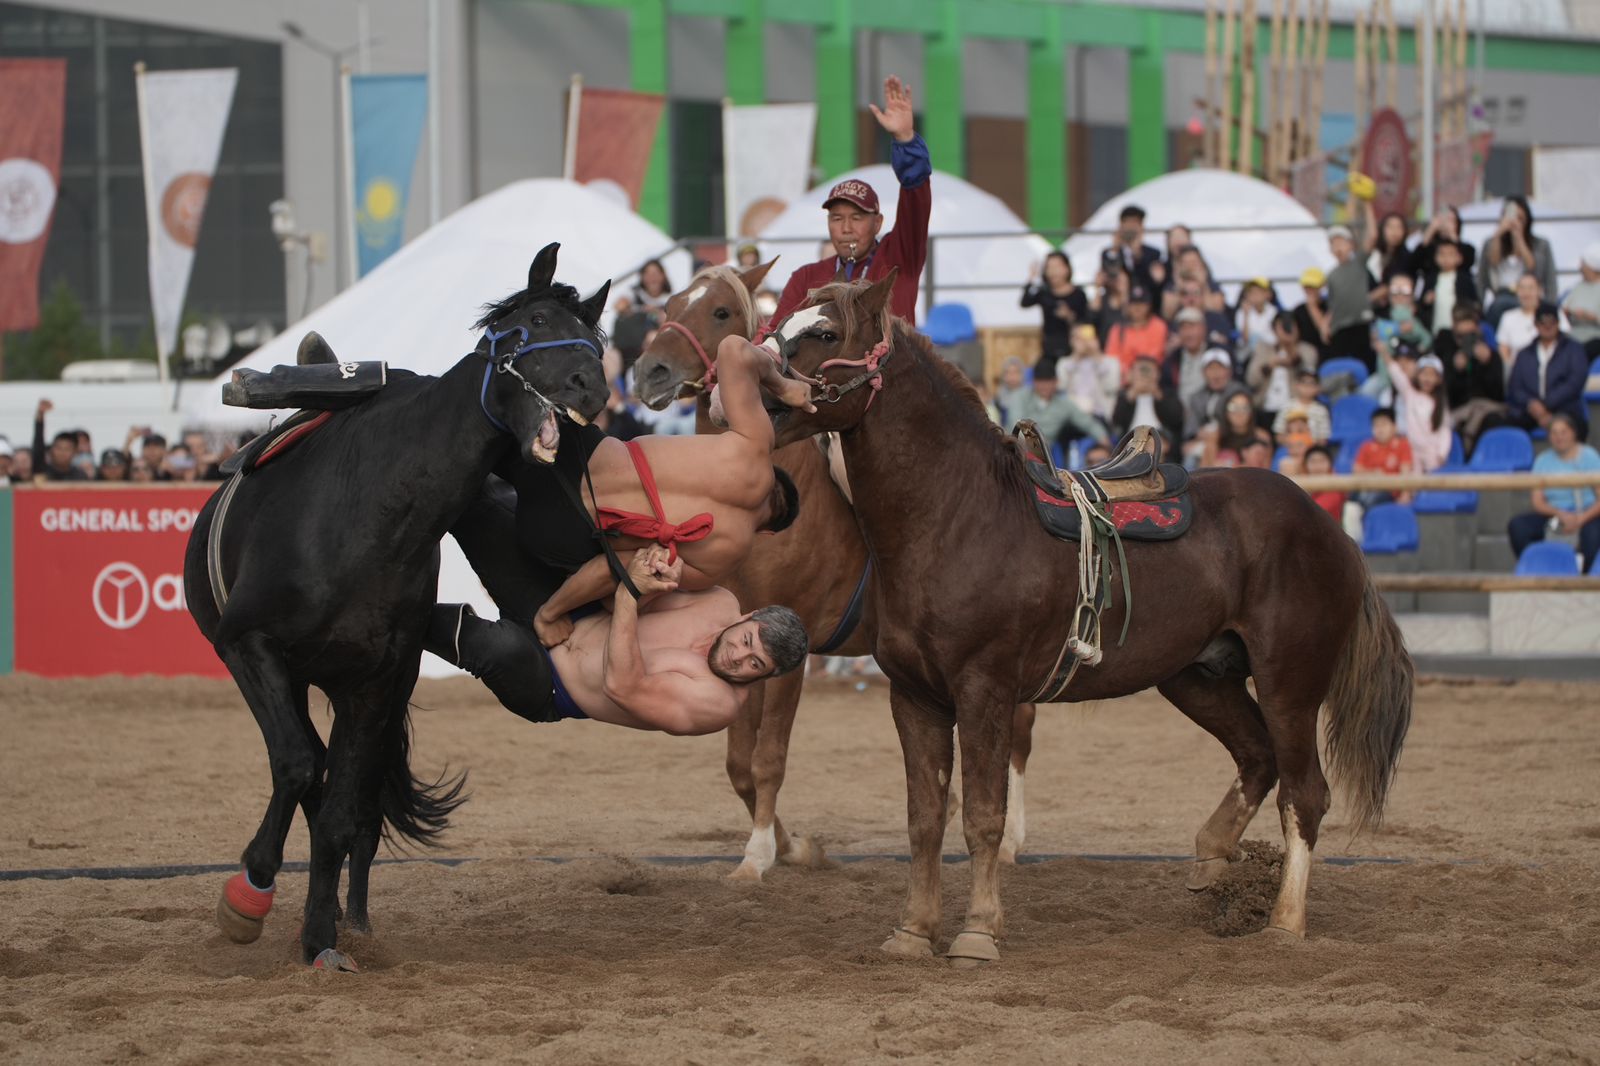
1582 304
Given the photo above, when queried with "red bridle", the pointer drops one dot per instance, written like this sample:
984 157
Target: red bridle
710 377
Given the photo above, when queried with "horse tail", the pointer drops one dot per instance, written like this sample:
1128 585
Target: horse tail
1369 709
415 810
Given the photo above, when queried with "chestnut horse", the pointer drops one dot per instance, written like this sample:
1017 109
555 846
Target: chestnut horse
816 567
973 599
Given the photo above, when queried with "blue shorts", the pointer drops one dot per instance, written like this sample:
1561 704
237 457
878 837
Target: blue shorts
562 700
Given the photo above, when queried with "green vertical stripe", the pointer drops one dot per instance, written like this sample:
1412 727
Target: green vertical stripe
836 92
1047 129
744 50
647 57
943 117
1147 105
8 589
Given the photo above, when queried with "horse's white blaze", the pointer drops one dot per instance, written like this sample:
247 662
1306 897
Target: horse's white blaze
1016 829
761 851
1290 911
799 322
694 296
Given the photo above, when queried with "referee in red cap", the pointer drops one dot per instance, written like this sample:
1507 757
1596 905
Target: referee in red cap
854 219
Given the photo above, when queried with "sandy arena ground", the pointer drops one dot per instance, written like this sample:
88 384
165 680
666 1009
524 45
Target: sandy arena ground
1485 948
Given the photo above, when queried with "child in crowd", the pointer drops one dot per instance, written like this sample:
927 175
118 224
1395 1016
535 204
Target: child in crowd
1252 322
1297 441
1385 452
1422 395
1319 423
1319 461
1089 376
1402 323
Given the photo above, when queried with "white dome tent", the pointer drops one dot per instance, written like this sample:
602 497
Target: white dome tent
415 310
958 207
1245 227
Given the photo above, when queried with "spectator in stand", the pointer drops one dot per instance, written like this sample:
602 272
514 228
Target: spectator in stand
1058 418
22 467
1447 286
1062 303
1516 329
1226 443
1512 252
1349 301
1427 416
1252 320
1385 452
1582 304
1206 404
1387 254
1548 377
1089 376
113 465
1129 254
1179 237
1094 455
1296 440
54 463
1109 305
1140 335
1312 314
653 290
1147 401
1191 269
151 447
1562 510
7 460
1319 422
1183 371
1402 323
1318 461
1219 330
1474 374
140 470
1443 228
1257 454
1273 365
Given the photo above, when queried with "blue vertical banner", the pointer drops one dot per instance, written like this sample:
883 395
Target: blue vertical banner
387 112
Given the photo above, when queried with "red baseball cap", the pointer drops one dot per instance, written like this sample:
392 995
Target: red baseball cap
853 191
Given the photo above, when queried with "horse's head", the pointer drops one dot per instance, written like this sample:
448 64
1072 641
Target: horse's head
543 347
718 302
837 338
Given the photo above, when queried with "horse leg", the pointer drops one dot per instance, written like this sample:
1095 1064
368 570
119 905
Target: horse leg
984 728
742 734
369 804
353 747
277 703
1016 829
926 743
780 700
1289 705
1223 707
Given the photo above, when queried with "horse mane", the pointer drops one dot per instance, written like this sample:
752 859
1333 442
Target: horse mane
730 277
842 294
563 296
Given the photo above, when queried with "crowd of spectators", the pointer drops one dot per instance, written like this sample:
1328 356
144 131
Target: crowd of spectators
1448 340
142 456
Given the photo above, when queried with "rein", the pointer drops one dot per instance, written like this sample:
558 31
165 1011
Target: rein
873 375
506 364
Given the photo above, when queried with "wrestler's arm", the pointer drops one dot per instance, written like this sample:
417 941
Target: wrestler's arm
743 371
591 581
669 701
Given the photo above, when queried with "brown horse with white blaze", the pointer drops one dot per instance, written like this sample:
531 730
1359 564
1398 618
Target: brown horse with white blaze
1270 588
817 567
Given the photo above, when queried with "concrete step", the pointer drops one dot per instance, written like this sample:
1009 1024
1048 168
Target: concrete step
1492 554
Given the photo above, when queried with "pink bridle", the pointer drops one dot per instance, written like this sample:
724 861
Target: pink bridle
710 378
872 377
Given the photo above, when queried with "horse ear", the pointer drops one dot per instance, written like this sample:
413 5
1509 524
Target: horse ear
753 277
878 294
543 270
594 305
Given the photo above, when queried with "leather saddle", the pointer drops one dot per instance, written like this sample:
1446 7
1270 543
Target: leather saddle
318 380
1146 498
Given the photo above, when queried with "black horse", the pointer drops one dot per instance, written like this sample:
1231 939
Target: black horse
329 558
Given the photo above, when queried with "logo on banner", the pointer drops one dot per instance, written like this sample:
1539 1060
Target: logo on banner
122 595
379 214
183 205
27 193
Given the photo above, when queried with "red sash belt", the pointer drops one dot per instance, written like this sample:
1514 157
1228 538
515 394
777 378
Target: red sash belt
648 527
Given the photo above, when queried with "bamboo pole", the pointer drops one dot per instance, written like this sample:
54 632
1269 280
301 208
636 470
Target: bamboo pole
1291 71
1461 69
1470 582
1394 53
1275 109
1247 89
1209 151
1225 154
1485 482
1314 134
1447 73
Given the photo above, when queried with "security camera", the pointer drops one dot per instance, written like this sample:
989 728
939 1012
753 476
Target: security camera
283 222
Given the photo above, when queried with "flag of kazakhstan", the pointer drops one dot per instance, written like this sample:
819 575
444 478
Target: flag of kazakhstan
386 112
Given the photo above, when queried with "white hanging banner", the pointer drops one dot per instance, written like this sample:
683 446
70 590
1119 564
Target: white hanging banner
182 117
766 152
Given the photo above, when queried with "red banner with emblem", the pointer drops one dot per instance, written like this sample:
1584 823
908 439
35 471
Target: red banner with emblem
1386 159
31 95
99 582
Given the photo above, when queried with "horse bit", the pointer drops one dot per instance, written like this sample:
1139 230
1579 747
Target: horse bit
506 364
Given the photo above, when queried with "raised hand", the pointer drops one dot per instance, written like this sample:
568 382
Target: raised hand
895 116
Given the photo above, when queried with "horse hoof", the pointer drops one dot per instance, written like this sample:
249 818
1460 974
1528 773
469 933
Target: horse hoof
972 949
1277 934
746 871
242 909
335 961
908 945
804 852
1008 854
1204 873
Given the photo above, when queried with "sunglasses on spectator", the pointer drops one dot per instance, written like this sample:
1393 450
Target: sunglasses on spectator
1238 407
1399 290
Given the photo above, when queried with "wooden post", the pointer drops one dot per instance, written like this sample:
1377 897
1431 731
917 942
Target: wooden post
1291 70
1225 153
1461 69
1313 139
1209 151
1247 90
1275 108
1394 54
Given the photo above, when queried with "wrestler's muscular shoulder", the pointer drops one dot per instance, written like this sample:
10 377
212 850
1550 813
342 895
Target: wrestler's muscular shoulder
723 467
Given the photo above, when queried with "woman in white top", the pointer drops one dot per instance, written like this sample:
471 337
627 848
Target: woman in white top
1511 252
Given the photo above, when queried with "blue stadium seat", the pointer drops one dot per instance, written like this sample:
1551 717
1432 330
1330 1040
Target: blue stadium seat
1278 458
1354 367
1457 456
950 324
1548 558
1352 418
1503 449
1594 567
1389 529
1445 501
1593 393
1345 461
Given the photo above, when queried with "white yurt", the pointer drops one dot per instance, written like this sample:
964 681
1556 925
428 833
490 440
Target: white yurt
416 309
1001 256
1245 228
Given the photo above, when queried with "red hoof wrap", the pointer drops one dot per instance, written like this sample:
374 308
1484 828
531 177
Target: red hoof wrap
245 899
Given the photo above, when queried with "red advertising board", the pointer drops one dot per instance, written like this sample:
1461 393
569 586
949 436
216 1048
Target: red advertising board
99 582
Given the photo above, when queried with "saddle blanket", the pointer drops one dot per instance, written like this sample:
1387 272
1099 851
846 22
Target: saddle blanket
1165 519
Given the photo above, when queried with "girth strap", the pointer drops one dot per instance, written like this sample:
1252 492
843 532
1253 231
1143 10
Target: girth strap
219 583
851 617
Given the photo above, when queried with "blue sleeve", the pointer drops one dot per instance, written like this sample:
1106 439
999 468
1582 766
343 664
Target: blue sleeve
910 161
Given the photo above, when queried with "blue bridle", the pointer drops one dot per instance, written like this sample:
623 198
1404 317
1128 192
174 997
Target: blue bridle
505 364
